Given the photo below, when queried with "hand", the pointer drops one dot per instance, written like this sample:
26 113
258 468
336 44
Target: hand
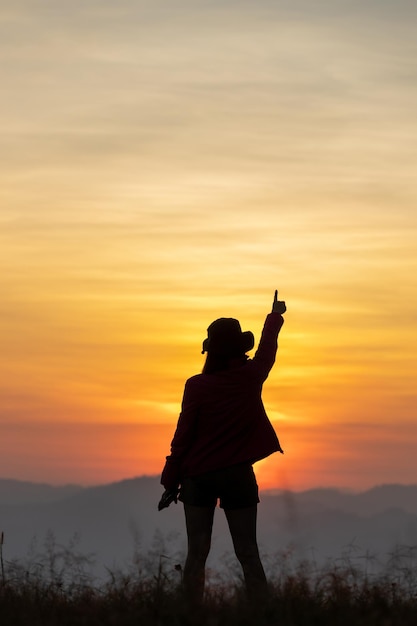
169 495
278 306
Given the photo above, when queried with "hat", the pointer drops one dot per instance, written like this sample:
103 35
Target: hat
225 337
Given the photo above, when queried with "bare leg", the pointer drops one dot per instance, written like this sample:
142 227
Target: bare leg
199 523
242 525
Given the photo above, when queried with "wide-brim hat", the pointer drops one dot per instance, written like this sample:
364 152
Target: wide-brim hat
225 336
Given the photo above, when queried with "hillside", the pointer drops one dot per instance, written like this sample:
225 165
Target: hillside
116 520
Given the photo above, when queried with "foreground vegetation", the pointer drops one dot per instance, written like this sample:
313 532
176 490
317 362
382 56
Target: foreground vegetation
56 590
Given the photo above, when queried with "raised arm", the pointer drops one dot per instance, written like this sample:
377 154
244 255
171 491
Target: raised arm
265 355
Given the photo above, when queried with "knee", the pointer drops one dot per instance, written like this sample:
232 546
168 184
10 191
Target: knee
247 553
199 551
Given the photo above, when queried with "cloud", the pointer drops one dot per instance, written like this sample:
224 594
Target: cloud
173 71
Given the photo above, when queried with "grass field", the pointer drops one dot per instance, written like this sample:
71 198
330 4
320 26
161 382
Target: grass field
56 590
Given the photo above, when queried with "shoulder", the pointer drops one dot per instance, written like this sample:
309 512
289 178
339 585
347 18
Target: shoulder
194 381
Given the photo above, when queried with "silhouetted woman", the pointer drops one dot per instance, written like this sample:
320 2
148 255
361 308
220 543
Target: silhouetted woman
222 430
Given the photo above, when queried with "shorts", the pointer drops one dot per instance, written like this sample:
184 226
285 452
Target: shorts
235 487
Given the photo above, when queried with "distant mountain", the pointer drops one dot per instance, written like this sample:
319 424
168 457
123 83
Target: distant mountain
19 492
120 522
110 521
369 502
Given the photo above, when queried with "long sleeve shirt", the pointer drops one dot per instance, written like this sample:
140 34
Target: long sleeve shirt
223 420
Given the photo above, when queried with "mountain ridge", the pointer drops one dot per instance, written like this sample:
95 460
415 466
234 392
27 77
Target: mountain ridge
378 497
120 519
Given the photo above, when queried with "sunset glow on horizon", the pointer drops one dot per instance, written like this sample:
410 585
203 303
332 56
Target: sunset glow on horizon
162 167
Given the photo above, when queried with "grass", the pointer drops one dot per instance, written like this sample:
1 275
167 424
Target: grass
54 588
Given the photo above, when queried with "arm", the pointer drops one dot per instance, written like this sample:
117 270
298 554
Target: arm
183 438
265 355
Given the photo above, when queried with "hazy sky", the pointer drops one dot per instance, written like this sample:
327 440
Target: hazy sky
167 163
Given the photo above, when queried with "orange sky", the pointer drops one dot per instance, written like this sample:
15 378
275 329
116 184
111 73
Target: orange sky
164 167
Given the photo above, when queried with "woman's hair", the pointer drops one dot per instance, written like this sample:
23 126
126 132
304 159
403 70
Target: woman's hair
220 362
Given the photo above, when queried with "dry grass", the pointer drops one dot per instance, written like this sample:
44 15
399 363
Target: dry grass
55 589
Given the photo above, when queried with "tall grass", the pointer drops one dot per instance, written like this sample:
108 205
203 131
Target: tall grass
54 586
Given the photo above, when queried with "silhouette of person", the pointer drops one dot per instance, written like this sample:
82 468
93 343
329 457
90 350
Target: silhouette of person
222 430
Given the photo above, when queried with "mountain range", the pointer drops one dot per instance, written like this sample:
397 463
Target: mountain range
119 526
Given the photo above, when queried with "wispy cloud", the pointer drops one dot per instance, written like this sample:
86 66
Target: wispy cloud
165 163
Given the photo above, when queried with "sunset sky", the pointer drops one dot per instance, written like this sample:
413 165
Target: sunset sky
165 163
